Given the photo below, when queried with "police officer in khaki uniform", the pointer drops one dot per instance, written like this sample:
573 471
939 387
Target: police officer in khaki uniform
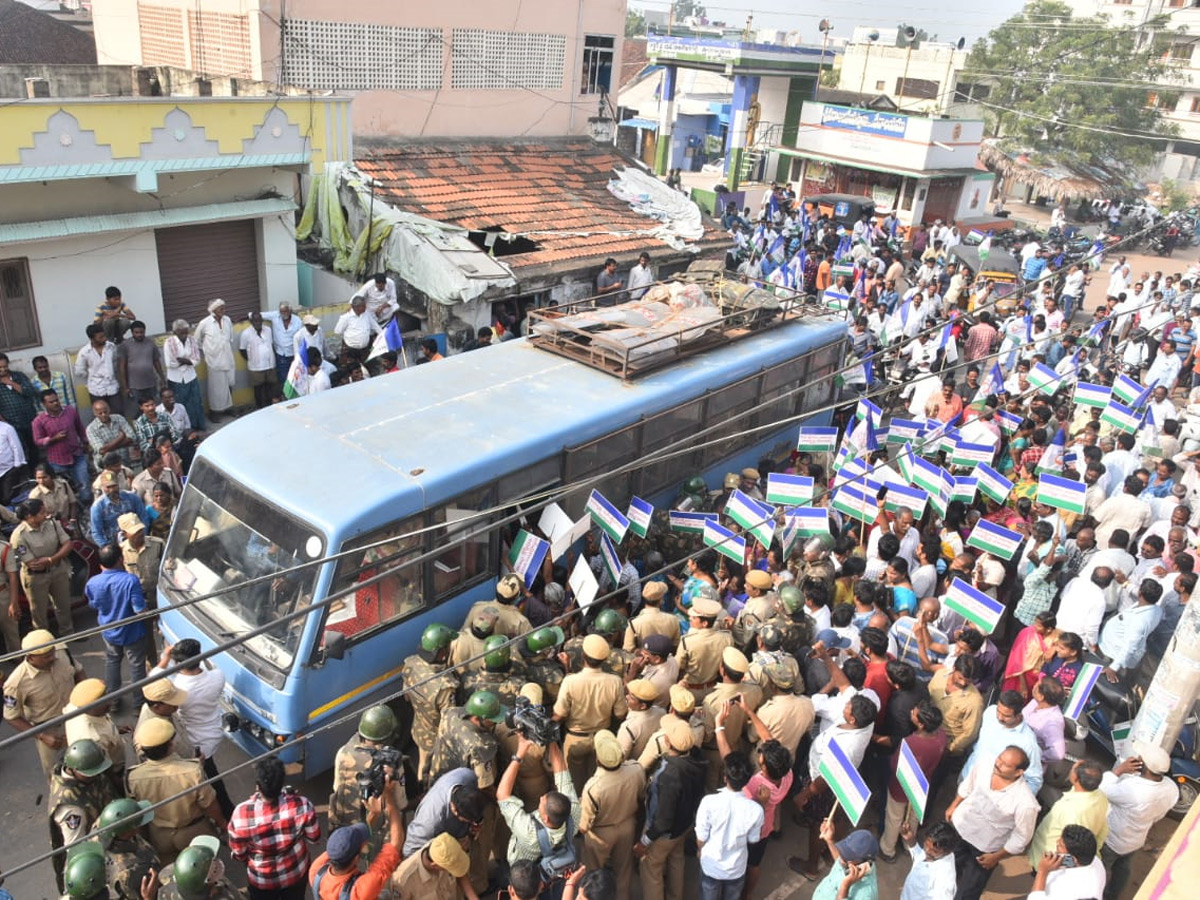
79 791
96 725
643 719
795 627
469 643
510 622
761 604
651 619
699 654
683 708
10 608
141 555
467 740
377 728
588 701
163 700
610 802
533 778
164 775
38 689
431 687
42 547
734 667
610 625
128 856
655 663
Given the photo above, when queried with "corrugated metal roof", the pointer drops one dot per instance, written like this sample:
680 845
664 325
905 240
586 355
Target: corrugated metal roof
17 174
22 232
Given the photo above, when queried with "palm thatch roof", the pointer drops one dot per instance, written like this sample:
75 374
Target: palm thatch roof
1059 179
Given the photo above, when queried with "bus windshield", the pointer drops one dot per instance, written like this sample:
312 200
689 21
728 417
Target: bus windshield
225 536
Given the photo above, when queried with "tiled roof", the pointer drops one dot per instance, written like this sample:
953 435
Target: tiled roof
557 185
30 36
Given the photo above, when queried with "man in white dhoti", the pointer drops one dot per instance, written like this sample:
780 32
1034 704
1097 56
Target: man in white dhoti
214 334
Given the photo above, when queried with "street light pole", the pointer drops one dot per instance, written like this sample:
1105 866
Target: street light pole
824 28
910 38
872 37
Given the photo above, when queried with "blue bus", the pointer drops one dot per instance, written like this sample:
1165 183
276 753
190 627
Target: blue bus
403 464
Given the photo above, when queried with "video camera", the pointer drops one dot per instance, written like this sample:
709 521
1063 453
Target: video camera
534 723
372 782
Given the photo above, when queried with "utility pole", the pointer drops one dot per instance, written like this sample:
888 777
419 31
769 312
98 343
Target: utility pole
1176 685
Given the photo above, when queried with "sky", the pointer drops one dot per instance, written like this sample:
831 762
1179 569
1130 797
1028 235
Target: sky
948 22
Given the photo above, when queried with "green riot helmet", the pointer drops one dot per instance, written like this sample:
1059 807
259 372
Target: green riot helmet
87 758
609 622
544 639
695 485
194 868
496 655
437 638
377 724
85 875
791 598
123 816
485 705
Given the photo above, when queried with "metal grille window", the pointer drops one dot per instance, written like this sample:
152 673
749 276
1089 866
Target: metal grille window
161 30
501 60
597 64
18 315
359 57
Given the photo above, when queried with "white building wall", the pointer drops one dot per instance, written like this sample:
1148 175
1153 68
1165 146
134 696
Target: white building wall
885 68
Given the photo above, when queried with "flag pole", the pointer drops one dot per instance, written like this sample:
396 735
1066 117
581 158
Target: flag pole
832 812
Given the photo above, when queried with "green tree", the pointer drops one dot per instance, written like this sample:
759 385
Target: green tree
1081 88
635 23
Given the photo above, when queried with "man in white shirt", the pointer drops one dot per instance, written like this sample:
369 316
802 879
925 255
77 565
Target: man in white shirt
318 377
1120 463
1138 796
214 335
257 349
379 294
641 277
310 335
727 823
12 462
200 711
932 876
96 365
1073 288
180 355
357 328
995 814
1164 371
1085 877
284 328
1125 511
1083 605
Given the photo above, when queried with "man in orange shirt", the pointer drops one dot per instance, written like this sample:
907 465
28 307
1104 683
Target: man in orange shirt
824 274
949 404
337 867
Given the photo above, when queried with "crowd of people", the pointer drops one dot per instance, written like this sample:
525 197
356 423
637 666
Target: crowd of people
695 708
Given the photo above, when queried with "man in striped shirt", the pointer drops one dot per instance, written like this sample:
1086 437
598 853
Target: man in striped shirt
270 833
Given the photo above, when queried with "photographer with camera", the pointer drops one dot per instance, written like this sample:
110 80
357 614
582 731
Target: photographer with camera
335 874
359 771
548 834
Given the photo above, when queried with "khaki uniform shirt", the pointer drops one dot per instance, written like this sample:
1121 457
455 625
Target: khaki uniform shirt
29 543
511 621
612 796
37 695
99 729
156 780
534 776
144 562
412 881
699 655
589 700
184 745
662 676
651 620
962 712
654 747
466 646
634 733
788 717
735 724
58 499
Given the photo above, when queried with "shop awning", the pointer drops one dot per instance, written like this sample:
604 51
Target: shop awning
638 122
888 170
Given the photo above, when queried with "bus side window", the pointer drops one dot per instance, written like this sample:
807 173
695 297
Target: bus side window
391 587
462 563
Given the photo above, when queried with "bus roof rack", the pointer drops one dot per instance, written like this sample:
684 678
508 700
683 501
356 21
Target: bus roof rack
692 312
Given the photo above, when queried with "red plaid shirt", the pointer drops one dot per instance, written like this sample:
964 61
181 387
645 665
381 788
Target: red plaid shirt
271 839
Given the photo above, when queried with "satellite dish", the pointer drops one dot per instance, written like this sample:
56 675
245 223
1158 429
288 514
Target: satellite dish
962 42
872 35
825 26
910 34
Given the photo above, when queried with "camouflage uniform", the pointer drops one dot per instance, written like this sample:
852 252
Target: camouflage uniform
170 891
756 611
74 807
462 744
127 862
822 570
796 629
547 672
429 701
506 685
345 803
